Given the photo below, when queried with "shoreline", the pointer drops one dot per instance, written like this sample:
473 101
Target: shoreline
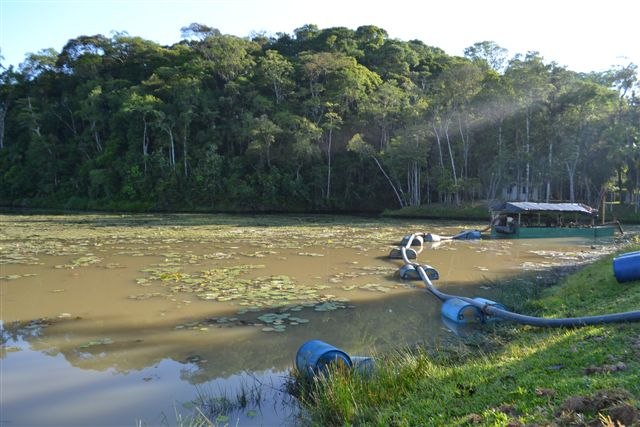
508 374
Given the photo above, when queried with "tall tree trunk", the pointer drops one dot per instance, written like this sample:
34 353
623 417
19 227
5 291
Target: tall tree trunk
4 106
329 163
527 148
464 134
172 148
390 181
548 196
571 176
571 173
413 183
96 136
453 164
439 143
185 134
145 143
636 197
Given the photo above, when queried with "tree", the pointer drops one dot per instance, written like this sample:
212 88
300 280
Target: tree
38 63
454 89
249 123
264 133
278 71
358 145
228 56
306 135
198 31
332 121
494 56
529 79
495 105
385 106
148 107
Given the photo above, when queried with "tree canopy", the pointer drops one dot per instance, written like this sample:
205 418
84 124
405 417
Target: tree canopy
321 119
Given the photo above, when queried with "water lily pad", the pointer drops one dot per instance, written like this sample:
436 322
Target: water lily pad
93 343
311 254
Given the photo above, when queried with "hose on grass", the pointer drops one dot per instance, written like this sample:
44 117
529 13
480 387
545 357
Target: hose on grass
493 311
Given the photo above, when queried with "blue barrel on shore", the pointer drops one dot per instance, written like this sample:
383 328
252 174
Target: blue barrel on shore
315 356
634 253
626 267
468 235
460 311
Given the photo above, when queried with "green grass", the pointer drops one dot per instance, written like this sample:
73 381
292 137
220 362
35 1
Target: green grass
475 211
625 213
509 374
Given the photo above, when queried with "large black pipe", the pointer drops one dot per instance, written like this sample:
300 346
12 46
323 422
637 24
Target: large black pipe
490 310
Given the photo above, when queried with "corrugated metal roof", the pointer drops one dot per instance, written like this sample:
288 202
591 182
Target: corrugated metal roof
520 207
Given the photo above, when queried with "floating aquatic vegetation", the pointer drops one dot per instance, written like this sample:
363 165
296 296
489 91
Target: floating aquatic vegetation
10 349
259 254
311 254
141 297
93 343
228 284
83 261
113 265
376 287
377 269
330 306
16 276
34 327
279 321
218 255
533 266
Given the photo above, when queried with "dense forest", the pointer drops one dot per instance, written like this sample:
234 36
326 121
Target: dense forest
319 120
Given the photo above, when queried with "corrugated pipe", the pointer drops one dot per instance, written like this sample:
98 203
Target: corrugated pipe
492 310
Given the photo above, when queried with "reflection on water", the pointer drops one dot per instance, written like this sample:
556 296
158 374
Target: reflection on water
111 319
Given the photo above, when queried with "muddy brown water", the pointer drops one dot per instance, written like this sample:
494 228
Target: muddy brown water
137 319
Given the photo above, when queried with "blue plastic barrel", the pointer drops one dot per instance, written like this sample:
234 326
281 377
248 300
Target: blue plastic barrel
460 311
468 235
417 240
363 364
397 253
626 267
315 356
432 237
460 329
409 272
634 253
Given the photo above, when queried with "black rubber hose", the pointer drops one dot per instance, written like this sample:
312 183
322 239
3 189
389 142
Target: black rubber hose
544 322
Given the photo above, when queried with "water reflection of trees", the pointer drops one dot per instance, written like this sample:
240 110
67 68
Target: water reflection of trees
375 326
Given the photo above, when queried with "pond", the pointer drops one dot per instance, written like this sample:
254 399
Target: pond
139 319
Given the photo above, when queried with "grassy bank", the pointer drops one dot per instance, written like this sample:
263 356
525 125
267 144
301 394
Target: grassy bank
507 374
472 211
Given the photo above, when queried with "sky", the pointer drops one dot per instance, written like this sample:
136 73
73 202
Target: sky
582 35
